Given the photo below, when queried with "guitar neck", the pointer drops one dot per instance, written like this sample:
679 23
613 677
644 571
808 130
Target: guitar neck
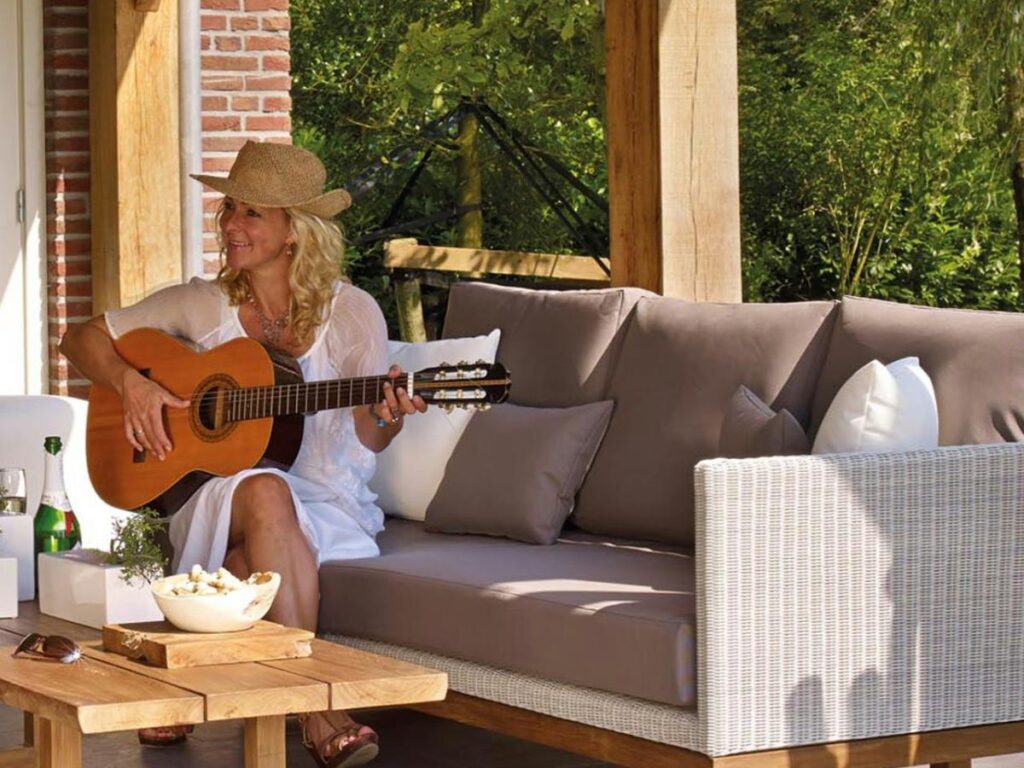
306 397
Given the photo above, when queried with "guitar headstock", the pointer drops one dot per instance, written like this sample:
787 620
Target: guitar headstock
463 385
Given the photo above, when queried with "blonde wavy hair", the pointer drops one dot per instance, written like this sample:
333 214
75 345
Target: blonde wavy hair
317 255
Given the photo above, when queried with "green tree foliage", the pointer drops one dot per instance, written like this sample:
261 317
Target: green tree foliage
871 160
368 75
876 136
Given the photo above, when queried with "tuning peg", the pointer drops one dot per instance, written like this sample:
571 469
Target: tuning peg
480 362
462 363
482 406
448 407
445 365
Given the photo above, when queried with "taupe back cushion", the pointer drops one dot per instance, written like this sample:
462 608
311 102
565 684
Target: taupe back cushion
975 360
558 345
680 364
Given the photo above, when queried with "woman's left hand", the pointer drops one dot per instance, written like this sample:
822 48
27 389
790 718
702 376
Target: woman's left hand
397 403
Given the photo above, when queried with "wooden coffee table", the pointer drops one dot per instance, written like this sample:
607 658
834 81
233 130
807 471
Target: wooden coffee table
105 692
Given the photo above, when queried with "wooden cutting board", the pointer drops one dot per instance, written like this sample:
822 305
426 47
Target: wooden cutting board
161 644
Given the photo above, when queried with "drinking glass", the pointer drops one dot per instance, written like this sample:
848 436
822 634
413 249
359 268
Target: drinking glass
12 491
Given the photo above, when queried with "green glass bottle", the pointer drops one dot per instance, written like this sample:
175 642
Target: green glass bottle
56 527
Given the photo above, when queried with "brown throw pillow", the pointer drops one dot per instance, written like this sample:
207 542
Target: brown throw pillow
751 428
516 470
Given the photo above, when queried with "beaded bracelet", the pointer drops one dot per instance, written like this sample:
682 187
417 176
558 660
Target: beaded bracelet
381 423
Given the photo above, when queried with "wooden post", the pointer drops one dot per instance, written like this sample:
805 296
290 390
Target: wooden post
673 147
468 176
135 148
58 745
700 167
264 742
634 161
409 306
470 186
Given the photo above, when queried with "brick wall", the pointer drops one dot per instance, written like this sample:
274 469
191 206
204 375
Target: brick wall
68 267
246 87
245 93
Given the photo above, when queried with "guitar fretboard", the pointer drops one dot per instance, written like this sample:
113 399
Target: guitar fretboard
307 397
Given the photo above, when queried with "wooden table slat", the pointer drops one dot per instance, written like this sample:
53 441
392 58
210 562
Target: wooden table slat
232 691
93 696
359 679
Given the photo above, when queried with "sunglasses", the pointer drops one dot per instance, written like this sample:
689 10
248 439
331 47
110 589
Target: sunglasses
51 647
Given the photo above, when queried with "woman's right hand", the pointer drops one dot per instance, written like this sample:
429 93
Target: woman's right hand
143 402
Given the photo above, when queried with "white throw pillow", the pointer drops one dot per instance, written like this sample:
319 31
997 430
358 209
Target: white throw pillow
881 408
409 470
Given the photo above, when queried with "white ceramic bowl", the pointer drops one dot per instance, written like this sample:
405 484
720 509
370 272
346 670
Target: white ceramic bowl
228 612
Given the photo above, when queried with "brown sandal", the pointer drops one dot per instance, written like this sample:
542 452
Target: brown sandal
360 748
164 735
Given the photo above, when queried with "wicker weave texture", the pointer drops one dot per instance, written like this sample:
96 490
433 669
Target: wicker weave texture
624 714
854 596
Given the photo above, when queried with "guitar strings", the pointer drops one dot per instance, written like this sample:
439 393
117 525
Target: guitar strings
254 402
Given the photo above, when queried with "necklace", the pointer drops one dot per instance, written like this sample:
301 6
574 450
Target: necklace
271 327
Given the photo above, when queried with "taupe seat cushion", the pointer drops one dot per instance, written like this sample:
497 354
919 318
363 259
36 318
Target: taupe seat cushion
558 345
679 367
975 360
613 617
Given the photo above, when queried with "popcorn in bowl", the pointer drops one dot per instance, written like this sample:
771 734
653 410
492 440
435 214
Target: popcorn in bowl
198 601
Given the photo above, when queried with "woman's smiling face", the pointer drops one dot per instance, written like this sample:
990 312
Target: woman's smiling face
253 236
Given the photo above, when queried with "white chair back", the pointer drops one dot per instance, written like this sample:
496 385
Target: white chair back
25 420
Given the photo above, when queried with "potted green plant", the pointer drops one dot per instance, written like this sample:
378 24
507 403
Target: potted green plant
93 587
136 547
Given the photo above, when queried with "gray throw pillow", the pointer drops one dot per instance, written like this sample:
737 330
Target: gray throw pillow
515 471
751 428
559 345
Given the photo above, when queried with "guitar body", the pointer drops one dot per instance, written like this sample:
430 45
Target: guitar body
204 443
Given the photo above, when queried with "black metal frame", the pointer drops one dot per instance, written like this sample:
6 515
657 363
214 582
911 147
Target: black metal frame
529 161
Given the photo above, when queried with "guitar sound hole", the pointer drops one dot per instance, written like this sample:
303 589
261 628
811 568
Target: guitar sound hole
208 409
210 413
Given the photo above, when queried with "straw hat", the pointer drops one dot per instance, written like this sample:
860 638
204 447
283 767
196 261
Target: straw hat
279 176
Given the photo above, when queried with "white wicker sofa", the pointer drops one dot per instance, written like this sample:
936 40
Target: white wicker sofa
847 609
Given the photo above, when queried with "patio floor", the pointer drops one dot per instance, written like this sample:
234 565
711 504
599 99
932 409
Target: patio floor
408 740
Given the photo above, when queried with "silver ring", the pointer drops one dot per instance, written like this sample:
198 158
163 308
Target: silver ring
139 431
394 417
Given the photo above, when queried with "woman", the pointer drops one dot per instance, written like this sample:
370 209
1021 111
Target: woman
280 284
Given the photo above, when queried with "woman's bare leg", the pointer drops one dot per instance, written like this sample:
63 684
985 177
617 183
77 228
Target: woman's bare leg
234 561
265 536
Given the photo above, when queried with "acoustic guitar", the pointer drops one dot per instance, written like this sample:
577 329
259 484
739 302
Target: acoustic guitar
247 408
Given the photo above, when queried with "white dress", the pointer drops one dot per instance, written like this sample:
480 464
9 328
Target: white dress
329 478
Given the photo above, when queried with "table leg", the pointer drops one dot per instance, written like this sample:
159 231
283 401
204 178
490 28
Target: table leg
264 742
57 745
29 729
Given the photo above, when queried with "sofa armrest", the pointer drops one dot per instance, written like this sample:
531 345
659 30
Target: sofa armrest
858 595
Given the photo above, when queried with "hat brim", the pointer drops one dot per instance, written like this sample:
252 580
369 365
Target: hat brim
325 206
